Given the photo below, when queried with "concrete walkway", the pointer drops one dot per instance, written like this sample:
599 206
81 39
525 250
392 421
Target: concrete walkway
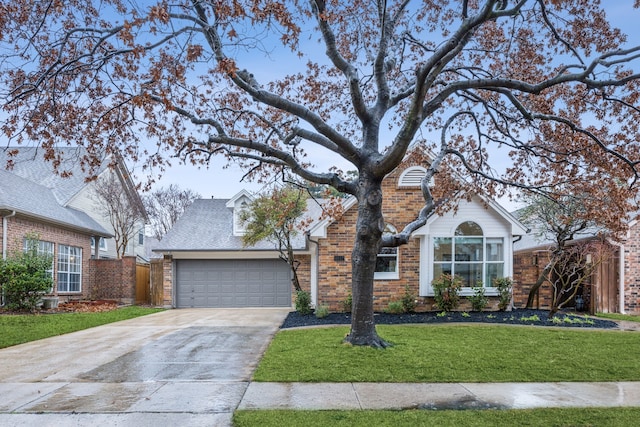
439 396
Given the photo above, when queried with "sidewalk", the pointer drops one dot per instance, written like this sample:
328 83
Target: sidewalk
439 396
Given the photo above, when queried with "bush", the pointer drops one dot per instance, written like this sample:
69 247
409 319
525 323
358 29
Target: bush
322 311
505 286
447 291
408 300
303 302
478 300
24 278
395 307
347 303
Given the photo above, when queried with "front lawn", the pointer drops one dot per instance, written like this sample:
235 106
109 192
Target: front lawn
618 316
601 417
454 353
18 329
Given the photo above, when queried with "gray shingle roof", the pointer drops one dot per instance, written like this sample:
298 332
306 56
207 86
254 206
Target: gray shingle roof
30 165
207 225
32 199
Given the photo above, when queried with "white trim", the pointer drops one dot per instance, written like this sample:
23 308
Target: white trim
231 203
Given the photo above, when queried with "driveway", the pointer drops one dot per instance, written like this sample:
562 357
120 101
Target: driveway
186 367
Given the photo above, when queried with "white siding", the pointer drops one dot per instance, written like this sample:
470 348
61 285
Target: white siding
492 223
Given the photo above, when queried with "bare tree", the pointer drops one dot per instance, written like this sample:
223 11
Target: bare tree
124 215
165 205
550 84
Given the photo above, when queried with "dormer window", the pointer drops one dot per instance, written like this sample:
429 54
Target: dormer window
412 177
239 203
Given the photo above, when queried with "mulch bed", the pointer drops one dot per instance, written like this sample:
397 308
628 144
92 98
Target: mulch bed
93 306
515 317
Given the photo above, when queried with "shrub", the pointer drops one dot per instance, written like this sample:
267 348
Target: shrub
504 285
322 311
478 300
303 302
24 278
347 303
447 291
395 307
408 300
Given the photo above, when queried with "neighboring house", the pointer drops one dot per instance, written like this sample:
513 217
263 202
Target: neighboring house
205 264
610 289
33 198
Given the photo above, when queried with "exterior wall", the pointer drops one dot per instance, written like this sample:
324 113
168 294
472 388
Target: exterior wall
84 201
167 281
400 206
18 227
527 267
632 271
113 279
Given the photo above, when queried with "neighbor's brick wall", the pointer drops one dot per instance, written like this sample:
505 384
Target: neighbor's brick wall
400 206
632 271
167 281
18 227
113 279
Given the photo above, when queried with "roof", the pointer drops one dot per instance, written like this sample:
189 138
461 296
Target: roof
31 199
30 164
207 225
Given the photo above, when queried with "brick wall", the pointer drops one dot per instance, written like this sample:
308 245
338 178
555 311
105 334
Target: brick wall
527 267
167 281
113 279
18 227
400 206
632 271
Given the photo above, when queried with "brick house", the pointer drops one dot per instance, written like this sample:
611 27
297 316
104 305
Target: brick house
610 289
63 213
205 264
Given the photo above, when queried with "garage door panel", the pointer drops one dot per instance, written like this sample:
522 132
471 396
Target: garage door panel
233 283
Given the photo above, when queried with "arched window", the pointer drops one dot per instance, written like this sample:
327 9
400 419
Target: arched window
477 259
387 261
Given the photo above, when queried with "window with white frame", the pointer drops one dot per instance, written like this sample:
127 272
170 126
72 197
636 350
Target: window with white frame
469 254
387 261
44 248
69 268
239 226
102 244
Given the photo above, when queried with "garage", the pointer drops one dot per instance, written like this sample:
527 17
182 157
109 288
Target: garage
232 283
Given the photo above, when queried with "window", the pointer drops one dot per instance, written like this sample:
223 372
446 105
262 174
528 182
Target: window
239 226
477 259
103 243
387 261
44 248
69 268
140 237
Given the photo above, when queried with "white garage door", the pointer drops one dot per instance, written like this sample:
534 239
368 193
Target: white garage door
233 283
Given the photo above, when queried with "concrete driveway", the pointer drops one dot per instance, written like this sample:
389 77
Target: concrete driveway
187 367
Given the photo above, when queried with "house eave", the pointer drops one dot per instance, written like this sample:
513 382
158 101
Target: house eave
61 224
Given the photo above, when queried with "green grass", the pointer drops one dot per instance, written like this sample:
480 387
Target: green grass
618 316
453 353
18 329
531 417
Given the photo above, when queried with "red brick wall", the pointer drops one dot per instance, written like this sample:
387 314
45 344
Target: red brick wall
400 206
632 271
18 227
113 279
527 267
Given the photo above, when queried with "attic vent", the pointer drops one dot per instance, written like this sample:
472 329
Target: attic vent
412 177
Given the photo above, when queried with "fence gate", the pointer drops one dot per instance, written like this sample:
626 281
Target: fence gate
142 284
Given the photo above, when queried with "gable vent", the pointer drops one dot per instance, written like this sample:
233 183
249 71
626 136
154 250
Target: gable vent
412 177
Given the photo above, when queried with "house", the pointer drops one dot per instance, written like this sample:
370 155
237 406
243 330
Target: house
205 264
63 212
609 289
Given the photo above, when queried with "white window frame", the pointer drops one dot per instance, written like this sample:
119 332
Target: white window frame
45 248
239 226
468 290
69 266
103 243
389 275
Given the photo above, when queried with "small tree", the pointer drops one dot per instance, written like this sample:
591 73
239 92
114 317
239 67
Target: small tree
119 208
275 217
24 278
165 205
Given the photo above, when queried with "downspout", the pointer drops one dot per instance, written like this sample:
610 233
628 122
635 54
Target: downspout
621 276
313 273
5 227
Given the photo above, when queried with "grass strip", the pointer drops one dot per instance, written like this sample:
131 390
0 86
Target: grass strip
618 316
18 329
453 353
618 417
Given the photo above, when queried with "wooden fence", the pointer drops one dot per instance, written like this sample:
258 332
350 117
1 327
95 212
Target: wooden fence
142 284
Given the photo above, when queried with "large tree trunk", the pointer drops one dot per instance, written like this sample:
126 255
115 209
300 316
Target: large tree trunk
369 228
